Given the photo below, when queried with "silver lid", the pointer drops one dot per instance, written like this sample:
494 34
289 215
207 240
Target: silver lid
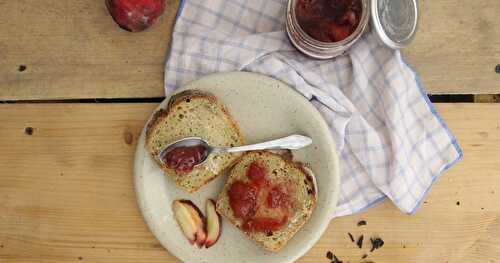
395 21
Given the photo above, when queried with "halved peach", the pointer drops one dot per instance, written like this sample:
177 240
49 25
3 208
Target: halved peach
191 221
214 224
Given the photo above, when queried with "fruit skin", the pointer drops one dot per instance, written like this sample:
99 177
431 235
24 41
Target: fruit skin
135 15
191 221
214 224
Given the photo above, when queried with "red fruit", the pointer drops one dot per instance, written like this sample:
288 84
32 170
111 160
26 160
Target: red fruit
349 18
214 224
135 15
191 221
338 32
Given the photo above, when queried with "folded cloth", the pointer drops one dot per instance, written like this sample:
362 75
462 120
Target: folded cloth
391 141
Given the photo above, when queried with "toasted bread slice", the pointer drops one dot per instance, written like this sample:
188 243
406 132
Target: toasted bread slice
279 168
194 113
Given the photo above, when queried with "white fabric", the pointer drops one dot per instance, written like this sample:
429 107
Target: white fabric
392 143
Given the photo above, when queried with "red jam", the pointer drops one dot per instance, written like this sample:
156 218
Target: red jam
262 206
277 197
243 199
257 174
183 159
328 20
264 224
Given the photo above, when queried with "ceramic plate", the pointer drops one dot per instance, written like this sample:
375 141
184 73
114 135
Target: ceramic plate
265 109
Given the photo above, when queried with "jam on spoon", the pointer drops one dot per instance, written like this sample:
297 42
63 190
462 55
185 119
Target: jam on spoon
184 158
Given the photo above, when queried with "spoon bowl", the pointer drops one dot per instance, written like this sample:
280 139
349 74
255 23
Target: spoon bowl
187 142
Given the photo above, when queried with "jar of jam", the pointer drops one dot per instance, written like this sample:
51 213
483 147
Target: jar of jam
325 29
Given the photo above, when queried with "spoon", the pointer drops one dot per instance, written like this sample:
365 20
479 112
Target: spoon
291 142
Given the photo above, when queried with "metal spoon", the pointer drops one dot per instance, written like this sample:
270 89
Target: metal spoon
291 142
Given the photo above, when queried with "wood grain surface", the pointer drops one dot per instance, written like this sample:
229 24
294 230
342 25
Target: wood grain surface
67 192
457 46
73 49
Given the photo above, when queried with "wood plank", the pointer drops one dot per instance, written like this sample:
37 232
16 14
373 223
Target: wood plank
73 49
66 192
457 46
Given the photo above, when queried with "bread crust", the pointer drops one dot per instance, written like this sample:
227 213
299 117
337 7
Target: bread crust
161 114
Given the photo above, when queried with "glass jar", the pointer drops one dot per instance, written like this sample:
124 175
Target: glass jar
319 49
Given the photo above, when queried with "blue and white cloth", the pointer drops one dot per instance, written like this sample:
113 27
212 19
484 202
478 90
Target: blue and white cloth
392 142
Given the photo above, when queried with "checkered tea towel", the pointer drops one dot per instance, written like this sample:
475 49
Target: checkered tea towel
391 141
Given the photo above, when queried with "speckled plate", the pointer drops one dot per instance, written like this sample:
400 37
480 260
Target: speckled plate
265 109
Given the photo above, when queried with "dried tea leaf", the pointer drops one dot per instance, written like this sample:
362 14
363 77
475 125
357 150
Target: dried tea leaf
377 243
362 223
351 237
336 260
360 241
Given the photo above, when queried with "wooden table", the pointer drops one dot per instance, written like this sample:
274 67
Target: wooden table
66 188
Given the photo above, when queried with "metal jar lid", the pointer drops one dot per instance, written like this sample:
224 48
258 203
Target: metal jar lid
395 21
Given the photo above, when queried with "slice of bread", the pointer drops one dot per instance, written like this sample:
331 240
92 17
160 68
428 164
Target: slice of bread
199 114
279 169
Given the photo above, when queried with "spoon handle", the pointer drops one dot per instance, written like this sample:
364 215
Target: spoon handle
291 142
